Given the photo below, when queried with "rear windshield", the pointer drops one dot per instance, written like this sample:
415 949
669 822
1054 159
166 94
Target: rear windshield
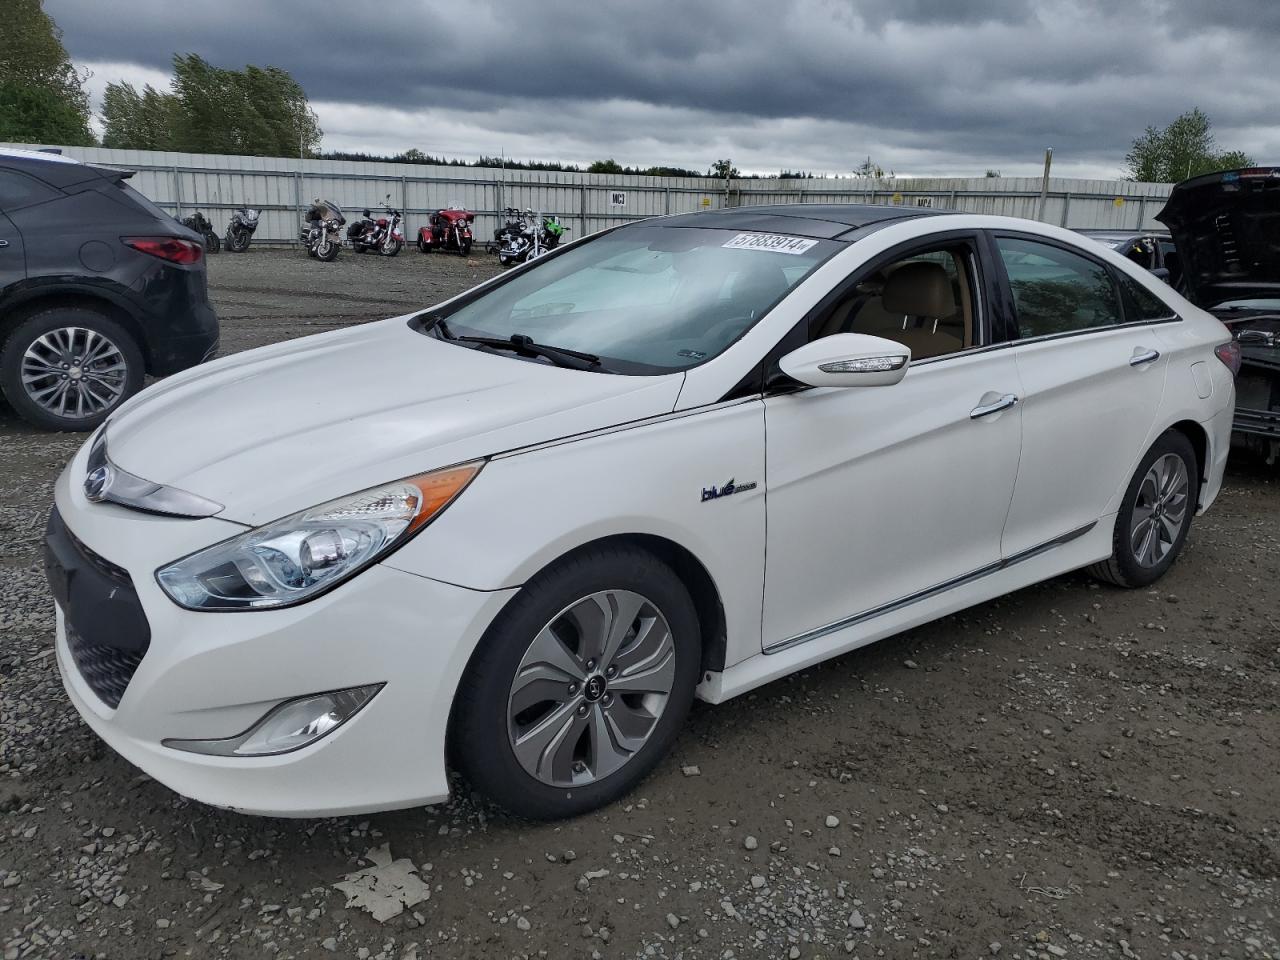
647 298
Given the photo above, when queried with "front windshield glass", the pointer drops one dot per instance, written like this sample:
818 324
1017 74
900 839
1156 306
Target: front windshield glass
646 299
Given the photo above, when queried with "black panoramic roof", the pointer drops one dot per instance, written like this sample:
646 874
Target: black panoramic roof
822 221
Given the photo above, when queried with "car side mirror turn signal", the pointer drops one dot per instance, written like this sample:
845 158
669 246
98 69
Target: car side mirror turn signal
848 360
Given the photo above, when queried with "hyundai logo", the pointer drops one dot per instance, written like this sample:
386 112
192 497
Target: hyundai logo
594 689
96 483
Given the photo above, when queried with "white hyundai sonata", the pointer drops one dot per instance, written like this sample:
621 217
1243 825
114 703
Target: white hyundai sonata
518 533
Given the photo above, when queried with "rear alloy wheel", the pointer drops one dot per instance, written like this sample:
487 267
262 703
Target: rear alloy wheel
579 686
1155 516
67 369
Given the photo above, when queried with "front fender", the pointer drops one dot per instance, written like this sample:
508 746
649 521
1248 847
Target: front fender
526 510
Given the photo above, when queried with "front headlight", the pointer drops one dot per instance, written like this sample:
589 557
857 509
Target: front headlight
298 557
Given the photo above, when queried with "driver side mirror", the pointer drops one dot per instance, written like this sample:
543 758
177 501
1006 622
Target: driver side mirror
848 360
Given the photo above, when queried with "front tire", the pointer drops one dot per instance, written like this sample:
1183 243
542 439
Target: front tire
69 368
580 685
327 250
1155 515
237 240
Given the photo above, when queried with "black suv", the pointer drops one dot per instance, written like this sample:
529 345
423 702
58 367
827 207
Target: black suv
98 287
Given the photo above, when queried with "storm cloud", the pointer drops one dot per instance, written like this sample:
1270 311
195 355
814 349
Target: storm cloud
923 86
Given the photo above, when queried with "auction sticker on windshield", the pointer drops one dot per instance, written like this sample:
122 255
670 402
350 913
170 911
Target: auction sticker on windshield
771 242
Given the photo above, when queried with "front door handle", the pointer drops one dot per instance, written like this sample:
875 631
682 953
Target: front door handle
4 243
986 409
1141 356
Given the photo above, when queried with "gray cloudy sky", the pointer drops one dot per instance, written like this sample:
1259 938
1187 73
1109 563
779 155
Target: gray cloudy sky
947 87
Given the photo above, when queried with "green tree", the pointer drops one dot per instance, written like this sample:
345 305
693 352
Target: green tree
868 169
1185 148
605 166
992 174
137 121
259 111
42 97
724 170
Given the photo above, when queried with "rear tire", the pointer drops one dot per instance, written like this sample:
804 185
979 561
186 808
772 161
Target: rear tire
31 376
1155 515
600 748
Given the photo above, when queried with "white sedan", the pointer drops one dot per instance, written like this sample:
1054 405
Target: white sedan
518 533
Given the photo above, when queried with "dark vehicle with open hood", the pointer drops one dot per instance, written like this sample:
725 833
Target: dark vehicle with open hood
1227 229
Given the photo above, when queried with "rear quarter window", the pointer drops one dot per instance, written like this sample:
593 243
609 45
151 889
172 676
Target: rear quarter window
17 190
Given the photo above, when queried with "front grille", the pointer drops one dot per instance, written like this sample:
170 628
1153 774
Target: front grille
107 630
107 670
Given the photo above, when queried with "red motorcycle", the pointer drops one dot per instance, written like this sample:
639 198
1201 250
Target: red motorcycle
450 229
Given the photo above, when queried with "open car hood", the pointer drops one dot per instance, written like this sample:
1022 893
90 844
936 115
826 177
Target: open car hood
1227 230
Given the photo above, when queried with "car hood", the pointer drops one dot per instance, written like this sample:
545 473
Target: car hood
272 431
1227 230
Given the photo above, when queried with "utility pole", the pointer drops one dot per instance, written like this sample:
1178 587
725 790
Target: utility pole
1044 182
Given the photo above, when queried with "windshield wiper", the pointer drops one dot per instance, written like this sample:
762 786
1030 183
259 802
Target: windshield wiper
519 343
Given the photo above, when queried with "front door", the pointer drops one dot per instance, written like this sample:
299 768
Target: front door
876 495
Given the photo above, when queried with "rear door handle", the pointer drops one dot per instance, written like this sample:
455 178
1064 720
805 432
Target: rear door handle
986 409
4 243
1141 356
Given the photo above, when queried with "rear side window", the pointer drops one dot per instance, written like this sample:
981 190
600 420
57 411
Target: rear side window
141 201
17 190
1056 291
1141 304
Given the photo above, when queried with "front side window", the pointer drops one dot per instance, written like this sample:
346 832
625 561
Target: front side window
924 300
646 299
1056 291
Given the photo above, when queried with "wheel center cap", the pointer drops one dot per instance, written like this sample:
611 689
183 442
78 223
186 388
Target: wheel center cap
594 688
75 373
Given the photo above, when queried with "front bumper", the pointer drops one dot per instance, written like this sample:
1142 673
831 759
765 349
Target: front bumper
213 675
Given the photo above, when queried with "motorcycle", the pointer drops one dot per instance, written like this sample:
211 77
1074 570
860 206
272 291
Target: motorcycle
321 229
201 225
241 229
385 234
537 235
450 229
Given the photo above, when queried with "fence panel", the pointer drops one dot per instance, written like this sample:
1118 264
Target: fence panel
282 187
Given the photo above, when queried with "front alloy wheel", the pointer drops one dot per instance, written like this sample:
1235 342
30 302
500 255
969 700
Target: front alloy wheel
591 687
580 685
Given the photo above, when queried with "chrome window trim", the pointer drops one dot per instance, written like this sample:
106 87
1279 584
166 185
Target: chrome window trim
928 592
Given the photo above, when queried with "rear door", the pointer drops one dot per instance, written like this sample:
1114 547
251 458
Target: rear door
1092 380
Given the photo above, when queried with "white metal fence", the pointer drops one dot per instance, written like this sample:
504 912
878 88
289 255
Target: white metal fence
283 187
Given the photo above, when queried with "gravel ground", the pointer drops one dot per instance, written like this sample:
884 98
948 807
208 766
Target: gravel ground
1070 771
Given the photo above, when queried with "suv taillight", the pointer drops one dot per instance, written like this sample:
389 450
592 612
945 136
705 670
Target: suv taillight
173 249
1229 353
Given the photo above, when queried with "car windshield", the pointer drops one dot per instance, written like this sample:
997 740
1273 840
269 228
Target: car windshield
646 298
